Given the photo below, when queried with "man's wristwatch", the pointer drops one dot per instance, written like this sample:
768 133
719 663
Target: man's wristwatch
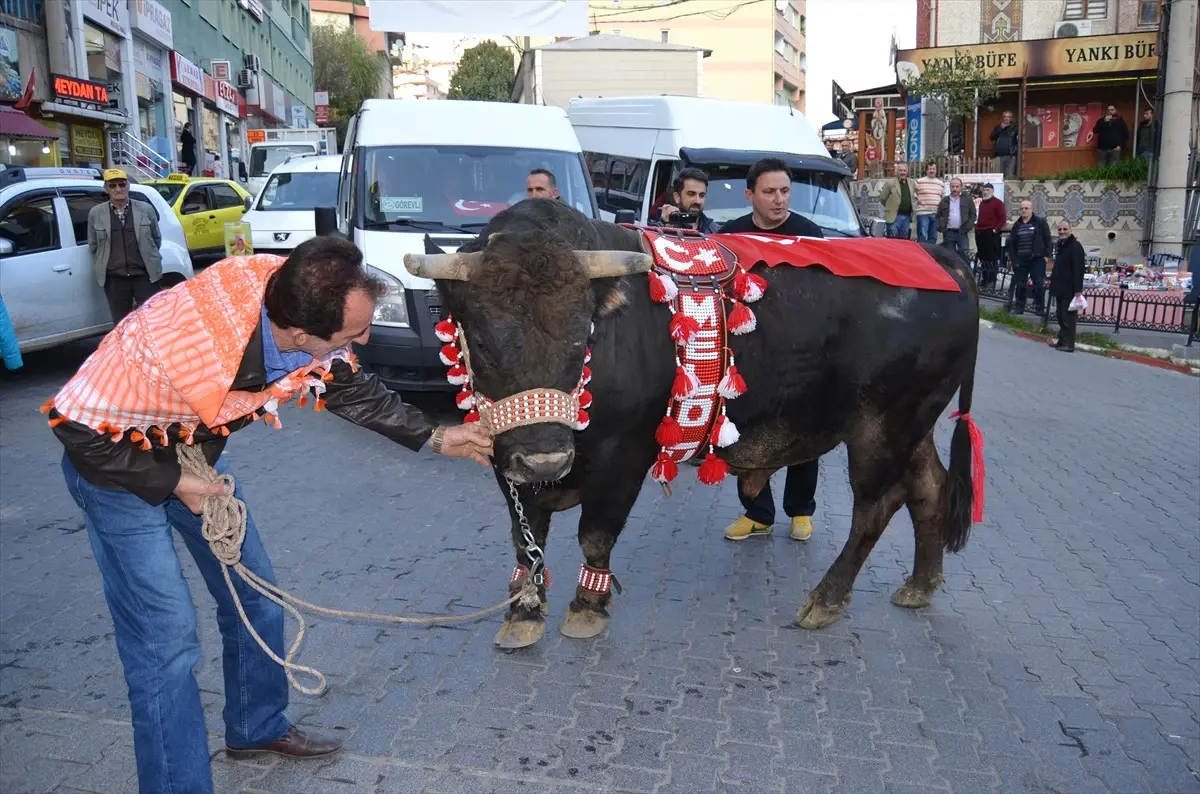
436 440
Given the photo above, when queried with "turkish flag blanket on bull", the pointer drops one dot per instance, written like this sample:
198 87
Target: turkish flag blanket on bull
706 283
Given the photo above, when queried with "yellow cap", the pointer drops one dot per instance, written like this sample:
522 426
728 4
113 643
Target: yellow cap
114 173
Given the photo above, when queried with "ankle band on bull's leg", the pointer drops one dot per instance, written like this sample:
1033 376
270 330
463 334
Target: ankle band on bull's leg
595 580
520 572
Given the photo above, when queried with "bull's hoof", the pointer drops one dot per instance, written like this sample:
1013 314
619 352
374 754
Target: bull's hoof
520 633
816 615
911 597
583 623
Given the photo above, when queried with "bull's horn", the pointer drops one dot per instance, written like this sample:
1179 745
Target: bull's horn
450 267
611 264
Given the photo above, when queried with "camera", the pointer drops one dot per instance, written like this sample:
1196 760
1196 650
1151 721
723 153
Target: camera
683 220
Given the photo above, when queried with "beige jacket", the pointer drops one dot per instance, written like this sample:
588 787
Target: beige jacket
149 238
889 196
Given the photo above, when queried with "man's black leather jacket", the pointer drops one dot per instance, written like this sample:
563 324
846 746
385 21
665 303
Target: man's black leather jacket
153 474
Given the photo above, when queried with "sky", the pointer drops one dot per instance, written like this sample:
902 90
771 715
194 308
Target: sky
849 41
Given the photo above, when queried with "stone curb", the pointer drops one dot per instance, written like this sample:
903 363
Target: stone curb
1163 362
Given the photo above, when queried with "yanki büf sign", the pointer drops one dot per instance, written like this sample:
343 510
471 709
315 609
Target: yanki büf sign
1066 57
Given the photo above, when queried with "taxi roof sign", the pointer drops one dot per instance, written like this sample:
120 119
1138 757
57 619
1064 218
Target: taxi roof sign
177 177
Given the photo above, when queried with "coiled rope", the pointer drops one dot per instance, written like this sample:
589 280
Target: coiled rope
224 527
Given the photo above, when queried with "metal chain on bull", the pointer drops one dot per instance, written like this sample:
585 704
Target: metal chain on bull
224 528
532 550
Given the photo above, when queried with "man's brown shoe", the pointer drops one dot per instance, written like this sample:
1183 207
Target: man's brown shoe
293 744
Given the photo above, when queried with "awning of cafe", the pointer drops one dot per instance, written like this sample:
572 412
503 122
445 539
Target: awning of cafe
16 124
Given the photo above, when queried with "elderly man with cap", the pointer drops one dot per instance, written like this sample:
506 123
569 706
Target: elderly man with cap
124 240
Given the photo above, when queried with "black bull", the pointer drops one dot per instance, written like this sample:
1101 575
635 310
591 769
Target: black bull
833 360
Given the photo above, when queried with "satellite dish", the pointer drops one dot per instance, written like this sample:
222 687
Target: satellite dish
907 71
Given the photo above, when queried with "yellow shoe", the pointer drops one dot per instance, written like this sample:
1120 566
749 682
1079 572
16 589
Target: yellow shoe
745 528
801 528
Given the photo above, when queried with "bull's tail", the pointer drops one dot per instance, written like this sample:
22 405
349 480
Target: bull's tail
965 478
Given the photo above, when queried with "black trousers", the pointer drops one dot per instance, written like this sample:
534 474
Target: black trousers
123 291
1023 271
1066 323
799 495
987 244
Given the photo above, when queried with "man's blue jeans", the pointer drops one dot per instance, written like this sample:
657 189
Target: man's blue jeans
155 623
899 228
927 228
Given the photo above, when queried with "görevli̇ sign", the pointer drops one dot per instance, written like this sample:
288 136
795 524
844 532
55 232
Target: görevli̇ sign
1084 55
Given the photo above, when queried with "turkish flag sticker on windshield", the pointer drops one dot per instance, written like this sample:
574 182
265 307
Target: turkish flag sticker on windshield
474 209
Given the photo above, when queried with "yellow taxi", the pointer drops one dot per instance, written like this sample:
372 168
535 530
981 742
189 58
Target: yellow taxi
203 205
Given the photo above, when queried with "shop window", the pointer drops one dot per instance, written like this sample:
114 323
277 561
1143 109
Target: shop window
1086 9
195 201
30 226
224 196
1149 13
79 205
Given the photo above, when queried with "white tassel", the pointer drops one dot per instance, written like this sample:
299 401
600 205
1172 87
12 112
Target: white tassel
728 434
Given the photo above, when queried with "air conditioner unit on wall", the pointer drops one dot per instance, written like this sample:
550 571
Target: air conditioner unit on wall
245 79
252 63
1071 28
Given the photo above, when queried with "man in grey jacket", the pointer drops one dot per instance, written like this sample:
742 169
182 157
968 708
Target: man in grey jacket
124 240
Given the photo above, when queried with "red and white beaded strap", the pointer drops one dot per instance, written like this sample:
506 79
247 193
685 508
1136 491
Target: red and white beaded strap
595 580
520 572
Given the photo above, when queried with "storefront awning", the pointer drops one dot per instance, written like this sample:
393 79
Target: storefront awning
15 124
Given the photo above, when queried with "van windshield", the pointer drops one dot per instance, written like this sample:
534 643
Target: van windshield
299 190
820 196
460 186
265 159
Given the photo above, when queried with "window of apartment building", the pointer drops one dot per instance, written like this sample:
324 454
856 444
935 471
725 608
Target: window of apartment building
1086 9
1149 13
789 14
803 23
664 36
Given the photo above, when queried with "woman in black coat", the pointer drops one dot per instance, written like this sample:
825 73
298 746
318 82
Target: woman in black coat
1066 282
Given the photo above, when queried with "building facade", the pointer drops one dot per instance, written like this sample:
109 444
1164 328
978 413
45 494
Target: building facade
758 49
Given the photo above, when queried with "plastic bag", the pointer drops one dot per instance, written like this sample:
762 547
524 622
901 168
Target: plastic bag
1078 304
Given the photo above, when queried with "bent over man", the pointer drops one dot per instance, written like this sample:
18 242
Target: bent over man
190 366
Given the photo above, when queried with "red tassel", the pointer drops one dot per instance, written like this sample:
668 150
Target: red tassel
582 420
446 330
587 355
669 432
732 385
664 469
46 406
585 399
682 328
472 416
712 470
685 384
748 287
302 400
978 468
319 405
662 288
741 319
58 420
449 355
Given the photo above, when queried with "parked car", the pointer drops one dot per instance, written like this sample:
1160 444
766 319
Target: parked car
203 205
282 214
46 274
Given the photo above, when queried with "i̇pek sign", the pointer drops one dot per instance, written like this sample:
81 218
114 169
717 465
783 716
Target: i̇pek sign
187 74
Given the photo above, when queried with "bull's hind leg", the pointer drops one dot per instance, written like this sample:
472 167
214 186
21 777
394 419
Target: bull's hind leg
925 486
523 625
604 516
876 481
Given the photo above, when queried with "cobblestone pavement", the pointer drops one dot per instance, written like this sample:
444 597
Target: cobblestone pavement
1061 656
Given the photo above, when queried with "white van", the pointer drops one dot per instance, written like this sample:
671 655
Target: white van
636 146
281 216
442 169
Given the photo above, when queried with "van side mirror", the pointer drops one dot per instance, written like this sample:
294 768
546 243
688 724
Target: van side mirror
625 216
325 221
6 247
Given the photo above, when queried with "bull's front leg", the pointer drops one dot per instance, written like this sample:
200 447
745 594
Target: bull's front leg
525 625
605 511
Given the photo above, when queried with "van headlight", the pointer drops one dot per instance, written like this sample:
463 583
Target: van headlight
391 308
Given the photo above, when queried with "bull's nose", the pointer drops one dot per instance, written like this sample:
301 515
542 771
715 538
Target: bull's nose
540 466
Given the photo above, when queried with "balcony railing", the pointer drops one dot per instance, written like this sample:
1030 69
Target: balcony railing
31 11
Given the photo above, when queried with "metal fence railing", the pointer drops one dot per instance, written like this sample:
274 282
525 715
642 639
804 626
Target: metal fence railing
1116 306
25 10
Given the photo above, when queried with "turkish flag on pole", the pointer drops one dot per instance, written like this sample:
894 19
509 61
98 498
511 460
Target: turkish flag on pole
27 97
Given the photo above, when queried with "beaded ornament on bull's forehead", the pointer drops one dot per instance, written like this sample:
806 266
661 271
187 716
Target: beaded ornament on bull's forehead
517 410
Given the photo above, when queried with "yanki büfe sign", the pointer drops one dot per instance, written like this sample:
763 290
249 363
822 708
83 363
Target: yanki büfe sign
1075 56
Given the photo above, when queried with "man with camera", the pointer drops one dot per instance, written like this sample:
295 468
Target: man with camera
686 207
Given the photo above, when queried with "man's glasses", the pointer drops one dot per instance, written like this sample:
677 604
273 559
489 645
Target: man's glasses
118 184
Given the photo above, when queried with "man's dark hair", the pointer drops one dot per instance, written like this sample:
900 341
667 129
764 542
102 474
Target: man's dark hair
309 291
767 165
694 174
549 176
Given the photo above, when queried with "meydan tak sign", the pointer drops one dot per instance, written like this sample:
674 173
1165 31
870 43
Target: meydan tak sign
1066 57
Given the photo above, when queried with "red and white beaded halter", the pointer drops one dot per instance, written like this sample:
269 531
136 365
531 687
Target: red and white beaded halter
529 407
696 277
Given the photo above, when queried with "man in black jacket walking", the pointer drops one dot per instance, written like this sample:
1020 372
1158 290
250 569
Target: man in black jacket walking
1112 135
1066 283
1028 248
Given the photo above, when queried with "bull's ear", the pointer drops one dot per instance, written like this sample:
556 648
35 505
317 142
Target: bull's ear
612 264
431 247
447 267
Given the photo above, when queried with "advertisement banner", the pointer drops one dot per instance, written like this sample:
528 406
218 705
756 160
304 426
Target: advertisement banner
1067 57
1077 124
1043 127
973 185
110 14
153 19
10 70
914 130
227 98
238 239
278 102
187 74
